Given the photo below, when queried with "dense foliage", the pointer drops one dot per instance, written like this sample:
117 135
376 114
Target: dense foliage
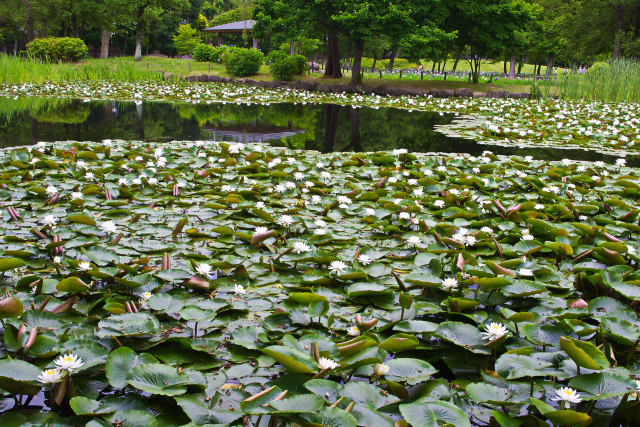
186 40
243 62
208 53
284 66
65 49
224 283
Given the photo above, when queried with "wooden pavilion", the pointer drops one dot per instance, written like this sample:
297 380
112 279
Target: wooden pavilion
233 28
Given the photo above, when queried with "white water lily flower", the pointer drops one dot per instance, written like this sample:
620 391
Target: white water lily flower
51 190
57 259
637 384
203 269
320 231
525 272
123 181
81 164
566 162
418 192
260 205
109 227
449 283
298 176
326 363
392 180
146 295
567 395
152 180
439 204
315 199
77 195
84 265
344 200
353 331
621 162
526 235
89 175
260 230
369 211
380 369
404 215
337 266
285 220
300 247
364 259
487 230
494 331
414 240
50 220
50 376
69 362
239 290
137 181
539 206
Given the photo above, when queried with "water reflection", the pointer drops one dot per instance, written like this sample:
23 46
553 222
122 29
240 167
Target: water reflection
325 128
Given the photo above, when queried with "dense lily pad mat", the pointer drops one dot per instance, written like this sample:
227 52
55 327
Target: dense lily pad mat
226 284
595 125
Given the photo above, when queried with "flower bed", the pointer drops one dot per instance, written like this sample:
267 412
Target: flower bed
222 283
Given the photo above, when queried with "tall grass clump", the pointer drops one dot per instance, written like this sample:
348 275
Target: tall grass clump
617 82
29 70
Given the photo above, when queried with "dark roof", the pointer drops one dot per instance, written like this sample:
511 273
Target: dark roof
246 25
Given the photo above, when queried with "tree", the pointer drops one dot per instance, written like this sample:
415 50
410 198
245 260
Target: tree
147 9
186 39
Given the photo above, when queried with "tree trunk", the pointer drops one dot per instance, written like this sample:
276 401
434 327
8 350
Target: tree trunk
455 63
356 77
138 53
104 46
616 45
330 126
512 67
392 57
29 21
332 70
550 65
373 67
504 66
520 68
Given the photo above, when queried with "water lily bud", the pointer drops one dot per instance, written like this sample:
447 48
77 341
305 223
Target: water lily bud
406 299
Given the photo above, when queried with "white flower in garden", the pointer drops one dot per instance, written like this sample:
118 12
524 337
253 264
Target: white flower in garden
51 190
567 395
364 259
137 181
526 235
599 163
552 189
325 175
439 204
69 362
239 290
539 206
320 222
353 331
260 230
50 376
380 369
595 178
369 211
50 220
414 240
637 384
494 331
315 199
621 162
298 176
412 181
108 227
469 240
566 162
476 170
34 160
404 215
337 266
325 363
146 295
449 283
57 259
77 195
631 250
278 188
89 175
123 181
418 192
428 172
84 265
289 185
392 180
487 230
344 200
260 205
285 220
320 231
81 164
203 269
528 158
162 162
399 151
441 168
525 272
581 168
300 247
152 181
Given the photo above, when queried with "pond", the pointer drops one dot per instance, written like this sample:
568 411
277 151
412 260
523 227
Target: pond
325 127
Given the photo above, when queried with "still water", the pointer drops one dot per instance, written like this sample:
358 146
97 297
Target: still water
326 128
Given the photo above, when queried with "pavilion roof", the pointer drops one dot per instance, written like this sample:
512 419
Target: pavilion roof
232 27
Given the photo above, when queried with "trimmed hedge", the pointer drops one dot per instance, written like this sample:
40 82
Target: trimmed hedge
65 49
243 62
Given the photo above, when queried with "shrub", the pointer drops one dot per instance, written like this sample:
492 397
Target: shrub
244 62
284 66
597 69
203 52
65 49
301 63
186 40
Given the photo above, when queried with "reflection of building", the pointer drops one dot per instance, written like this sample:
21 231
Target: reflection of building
254 132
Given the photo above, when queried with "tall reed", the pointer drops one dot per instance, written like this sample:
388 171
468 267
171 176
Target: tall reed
619 82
